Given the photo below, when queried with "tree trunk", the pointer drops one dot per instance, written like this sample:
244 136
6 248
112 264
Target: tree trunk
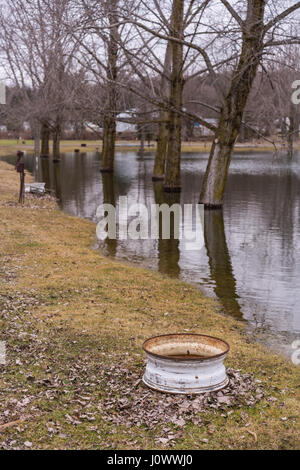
290 140
142 146
45 135
291 135
172 178
109 139
162 138
216 173
37 138
162 145
242 134
56 142
234 104
109 127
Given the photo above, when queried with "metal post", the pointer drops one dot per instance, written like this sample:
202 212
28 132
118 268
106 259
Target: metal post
20 167
22 188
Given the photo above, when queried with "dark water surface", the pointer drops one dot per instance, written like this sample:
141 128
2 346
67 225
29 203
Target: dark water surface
251 258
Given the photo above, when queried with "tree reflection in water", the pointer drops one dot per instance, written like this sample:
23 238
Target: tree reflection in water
168 250
109 197
221 270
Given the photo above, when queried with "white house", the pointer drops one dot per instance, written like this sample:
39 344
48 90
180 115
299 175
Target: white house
204 130
2 93
26 126
126 126
91 127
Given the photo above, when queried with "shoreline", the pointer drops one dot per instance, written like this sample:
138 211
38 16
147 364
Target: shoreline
10 147
259 336
67 309
270 344
281 349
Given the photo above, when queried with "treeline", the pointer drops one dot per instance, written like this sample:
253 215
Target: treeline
179 66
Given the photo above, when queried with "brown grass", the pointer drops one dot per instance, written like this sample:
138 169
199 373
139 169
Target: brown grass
120 306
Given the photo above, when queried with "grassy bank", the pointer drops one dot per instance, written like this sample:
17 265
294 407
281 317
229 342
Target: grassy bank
8 147
74 322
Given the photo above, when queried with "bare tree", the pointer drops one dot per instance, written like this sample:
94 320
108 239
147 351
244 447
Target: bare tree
284 74
149 49
39 54
162 138
250 29
172 178
257 34
109 127
171 26
98 32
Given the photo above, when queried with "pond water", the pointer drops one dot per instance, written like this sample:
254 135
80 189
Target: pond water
251 258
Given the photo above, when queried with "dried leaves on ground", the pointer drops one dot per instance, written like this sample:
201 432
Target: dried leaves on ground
77 375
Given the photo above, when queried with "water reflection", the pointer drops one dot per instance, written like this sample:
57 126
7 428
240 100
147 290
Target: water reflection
57 181
109 197
44 173
251 261
220 265
168 250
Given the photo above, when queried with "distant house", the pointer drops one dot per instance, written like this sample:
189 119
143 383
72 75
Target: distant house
94 128
126 126
2 93
122 125
204 130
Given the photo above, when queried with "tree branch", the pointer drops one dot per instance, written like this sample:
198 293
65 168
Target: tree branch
280 17
233 13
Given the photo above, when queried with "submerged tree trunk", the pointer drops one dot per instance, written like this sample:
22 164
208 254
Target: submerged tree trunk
162 146
56 142
162 138
291 132
217 170
291 141
109 139
37 138
172 178
142 145
109 125
45 136
233 107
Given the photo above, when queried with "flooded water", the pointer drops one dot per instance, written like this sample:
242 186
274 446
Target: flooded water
251 258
